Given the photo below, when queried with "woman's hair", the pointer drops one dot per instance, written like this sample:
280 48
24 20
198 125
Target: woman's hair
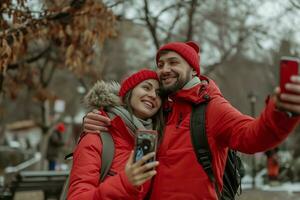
157 118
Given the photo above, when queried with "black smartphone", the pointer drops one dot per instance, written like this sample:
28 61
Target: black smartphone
145 142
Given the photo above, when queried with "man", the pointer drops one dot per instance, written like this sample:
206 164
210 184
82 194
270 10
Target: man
55 145
179 175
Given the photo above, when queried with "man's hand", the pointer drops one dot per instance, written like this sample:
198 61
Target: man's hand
94 122
139 172
289 102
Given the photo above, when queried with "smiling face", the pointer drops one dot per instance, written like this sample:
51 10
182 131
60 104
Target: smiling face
145 101
173 71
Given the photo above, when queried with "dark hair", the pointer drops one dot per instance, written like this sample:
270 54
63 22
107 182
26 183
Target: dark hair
157 118
163 52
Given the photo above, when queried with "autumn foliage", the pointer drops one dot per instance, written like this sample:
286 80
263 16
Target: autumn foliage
64 32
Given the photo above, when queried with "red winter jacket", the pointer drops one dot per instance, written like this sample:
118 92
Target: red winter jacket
85 174
179 175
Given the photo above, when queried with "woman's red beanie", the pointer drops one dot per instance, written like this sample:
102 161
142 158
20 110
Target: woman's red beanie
136 78
188 50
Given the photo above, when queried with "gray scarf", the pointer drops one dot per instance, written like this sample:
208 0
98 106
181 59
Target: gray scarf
196 80
131 121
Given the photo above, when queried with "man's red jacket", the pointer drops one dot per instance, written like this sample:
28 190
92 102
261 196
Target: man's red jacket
179 175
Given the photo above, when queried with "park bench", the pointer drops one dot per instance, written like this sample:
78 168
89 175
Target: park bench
4 193
50 182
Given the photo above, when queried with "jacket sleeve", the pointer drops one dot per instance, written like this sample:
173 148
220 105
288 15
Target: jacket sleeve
243 133
85 175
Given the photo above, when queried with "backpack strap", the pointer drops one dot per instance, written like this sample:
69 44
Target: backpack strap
108 150
200 142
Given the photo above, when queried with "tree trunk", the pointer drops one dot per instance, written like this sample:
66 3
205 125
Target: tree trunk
46 132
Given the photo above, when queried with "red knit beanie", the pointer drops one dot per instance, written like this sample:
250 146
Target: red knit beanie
136 78
60 127
188 50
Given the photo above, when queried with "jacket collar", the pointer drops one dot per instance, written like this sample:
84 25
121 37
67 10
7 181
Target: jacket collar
195 91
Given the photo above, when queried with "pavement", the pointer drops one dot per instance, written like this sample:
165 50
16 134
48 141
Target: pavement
274 191
257 194
271 191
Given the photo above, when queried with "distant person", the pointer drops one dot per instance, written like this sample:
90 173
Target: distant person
55 144
272 164
28 143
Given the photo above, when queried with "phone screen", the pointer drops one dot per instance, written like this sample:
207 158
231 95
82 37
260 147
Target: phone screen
145 142
288 66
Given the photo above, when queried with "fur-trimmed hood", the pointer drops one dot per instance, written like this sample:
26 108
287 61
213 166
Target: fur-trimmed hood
103 94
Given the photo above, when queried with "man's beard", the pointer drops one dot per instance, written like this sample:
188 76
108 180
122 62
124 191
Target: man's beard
178 85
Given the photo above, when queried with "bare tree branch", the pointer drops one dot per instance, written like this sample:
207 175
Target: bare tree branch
227 53
45 81
114 4
1 84
296 5
29 60
171 28
191 14
167 8
83 84
52 70
42 68
150 25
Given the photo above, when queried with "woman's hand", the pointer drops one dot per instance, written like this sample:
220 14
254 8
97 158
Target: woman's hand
139 172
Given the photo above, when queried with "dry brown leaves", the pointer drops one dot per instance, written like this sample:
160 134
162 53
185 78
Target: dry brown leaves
73 30
76 34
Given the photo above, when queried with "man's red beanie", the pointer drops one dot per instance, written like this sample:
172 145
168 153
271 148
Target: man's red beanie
135 79
188 50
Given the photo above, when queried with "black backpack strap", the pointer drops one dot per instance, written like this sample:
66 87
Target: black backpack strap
200 142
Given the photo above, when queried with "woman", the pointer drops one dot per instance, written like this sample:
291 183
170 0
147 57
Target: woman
137 107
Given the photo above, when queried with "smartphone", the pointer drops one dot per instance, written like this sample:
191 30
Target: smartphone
288 66
145 142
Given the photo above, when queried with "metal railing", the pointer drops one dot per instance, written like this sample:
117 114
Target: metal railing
11 171
36 158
